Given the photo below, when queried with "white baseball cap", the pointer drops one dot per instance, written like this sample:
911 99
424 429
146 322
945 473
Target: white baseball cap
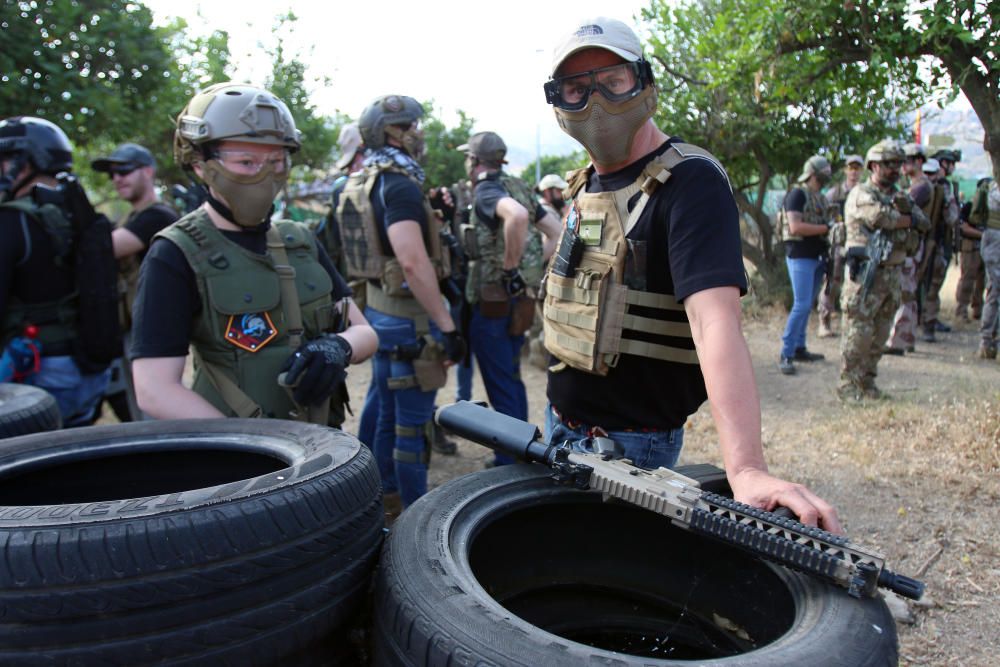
551 181
601 33
931 166
349 142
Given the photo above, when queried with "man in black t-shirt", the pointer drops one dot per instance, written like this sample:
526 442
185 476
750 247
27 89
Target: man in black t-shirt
806 223
651 253
132 170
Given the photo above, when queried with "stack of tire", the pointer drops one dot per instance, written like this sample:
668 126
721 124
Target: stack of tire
503 567
216 542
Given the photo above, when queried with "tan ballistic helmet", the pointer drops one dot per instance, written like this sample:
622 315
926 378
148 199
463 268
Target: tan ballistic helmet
887 149
234 111
813 165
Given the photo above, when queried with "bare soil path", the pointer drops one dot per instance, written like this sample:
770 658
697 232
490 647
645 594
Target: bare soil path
917 475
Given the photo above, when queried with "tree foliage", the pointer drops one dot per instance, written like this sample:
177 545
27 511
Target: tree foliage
444 164
721 87
555 164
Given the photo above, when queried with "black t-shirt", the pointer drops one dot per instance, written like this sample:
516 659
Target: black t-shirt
394 198
146 223
28 268
810 247
489 191
167 300
690 230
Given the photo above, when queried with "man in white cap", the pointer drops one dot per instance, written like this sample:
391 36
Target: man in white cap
550 193
650 251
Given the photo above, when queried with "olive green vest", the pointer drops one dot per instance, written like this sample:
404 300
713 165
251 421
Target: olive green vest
242 332
485 247
56 319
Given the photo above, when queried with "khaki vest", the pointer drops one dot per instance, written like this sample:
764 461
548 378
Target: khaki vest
363 251
814 213
240 291
56 320
585 316
865 210
485 248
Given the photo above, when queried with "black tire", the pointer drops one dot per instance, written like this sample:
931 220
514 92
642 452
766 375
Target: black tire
25 409
503 567
242 542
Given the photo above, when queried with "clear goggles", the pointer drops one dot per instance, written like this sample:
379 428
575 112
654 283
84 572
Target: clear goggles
245 162
617 83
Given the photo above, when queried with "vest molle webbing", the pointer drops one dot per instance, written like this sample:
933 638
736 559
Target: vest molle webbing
587 317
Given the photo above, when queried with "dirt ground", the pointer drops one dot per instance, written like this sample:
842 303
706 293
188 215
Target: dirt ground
914 476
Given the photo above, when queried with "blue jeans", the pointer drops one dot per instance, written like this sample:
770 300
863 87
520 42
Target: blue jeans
76 394
369 415
463 378
499 359
410 408
806 276
650 450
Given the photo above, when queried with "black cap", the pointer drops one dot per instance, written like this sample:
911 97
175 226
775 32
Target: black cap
131 154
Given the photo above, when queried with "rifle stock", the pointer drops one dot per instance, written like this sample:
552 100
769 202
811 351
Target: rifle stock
766 534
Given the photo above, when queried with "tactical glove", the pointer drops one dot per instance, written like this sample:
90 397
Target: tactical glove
454 346
513 282
316 369
902 203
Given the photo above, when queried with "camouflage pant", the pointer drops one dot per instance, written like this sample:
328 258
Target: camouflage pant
970 284
865 326
830 295
990 250
904 327
932 297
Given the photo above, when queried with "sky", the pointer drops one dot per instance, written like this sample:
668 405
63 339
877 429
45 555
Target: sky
488 59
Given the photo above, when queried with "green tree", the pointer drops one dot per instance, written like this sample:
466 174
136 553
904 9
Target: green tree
939 46
761 117
443 164
288 81
555 164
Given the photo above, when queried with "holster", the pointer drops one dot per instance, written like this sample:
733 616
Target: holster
522 315
494 302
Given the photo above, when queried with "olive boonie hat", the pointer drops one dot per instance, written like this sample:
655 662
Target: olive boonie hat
132 154
486 146
599 33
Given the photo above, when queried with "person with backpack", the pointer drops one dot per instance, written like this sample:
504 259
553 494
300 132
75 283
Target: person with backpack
132 170
46 226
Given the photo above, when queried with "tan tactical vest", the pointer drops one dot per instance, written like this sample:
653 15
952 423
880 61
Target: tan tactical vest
56 320
814 213
485 248
242 337
586 316
363 251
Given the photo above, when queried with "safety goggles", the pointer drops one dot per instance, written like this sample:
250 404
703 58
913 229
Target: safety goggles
617 83
250 164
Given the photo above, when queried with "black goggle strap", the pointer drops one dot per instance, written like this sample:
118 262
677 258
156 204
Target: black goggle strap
641 68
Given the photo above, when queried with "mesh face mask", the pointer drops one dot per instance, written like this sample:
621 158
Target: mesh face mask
607 129
249 197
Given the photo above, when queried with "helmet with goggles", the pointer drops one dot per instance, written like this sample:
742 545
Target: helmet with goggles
40 142
384 115
235 112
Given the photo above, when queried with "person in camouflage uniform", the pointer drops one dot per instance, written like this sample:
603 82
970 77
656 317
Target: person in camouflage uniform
874 206
904 328
990 249
942 235
972 281
505 262
829 298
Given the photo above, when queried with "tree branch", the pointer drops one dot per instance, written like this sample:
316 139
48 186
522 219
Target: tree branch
669 70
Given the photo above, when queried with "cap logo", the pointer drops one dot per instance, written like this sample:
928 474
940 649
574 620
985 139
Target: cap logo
589 30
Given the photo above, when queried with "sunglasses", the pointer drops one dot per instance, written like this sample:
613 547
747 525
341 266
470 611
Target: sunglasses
121 169
616 83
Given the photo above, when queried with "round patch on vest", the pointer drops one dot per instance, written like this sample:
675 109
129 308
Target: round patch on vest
250 331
